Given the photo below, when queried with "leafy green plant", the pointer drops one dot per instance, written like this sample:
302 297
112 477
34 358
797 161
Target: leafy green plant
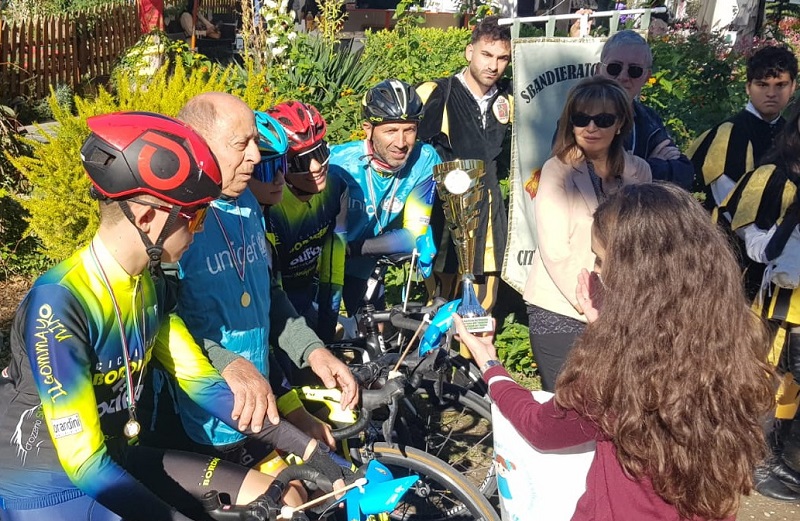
25 9
152 51
333 79
266 43
61 213
409 15
332 15
698 81
421 54
514 347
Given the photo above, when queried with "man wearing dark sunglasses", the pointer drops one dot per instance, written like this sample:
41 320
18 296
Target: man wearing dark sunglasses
308 227
626 57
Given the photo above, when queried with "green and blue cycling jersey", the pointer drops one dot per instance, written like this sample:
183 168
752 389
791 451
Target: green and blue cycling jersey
386 212
211 285
62 414
310 240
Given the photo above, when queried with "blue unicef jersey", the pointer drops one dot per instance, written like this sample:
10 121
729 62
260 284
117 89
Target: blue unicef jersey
214 273
62 414
395 207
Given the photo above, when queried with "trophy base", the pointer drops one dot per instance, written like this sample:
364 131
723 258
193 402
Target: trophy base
483 324
475 318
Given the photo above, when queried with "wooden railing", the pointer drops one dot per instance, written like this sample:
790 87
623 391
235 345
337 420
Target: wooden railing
38 53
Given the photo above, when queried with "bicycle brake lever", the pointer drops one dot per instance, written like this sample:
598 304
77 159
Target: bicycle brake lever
388 424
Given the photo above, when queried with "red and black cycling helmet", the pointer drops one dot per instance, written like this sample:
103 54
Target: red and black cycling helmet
392 101
135 153
303 124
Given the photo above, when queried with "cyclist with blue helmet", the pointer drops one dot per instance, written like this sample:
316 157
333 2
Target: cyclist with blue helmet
269 176
390 178
308 227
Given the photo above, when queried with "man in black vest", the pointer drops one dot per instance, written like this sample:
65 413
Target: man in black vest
467 116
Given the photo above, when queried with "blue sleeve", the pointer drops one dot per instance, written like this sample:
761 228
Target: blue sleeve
58 345
679 171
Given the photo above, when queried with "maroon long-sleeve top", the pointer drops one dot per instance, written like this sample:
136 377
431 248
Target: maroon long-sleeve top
610 495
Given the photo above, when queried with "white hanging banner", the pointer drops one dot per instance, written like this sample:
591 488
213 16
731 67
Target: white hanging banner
545 69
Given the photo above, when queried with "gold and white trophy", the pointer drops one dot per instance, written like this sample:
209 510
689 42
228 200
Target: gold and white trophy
460 188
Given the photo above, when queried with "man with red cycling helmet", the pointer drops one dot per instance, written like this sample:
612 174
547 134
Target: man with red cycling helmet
390 179
308 227
88 327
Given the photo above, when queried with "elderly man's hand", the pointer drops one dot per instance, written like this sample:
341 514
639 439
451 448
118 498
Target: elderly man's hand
665 150
253 398
334 373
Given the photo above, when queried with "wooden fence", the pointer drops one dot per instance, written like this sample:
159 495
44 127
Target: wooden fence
38 53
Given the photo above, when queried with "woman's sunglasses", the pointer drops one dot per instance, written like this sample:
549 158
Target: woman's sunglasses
195 217
602 120
301 163
615 69
269 166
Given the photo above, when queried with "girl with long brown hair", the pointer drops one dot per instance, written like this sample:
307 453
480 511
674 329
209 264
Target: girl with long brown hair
669 378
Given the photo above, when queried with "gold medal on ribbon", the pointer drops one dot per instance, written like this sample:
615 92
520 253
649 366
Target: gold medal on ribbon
131 429
245 299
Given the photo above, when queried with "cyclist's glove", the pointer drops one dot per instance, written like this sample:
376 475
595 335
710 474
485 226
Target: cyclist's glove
322 461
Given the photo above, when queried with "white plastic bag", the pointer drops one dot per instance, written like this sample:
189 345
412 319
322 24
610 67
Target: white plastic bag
535 484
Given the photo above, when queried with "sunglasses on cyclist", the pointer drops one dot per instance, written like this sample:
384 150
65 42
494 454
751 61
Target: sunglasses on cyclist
301 163
195 217
269 166
602 120
615 69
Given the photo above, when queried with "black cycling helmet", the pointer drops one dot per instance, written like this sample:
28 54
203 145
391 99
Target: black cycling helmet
392 101
135 153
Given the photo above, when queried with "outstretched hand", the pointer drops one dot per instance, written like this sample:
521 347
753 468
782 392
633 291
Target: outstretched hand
481 347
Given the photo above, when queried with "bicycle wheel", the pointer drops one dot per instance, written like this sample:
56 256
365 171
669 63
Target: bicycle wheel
455 427
440 493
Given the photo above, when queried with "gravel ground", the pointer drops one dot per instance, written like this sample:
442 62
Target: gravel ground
760 507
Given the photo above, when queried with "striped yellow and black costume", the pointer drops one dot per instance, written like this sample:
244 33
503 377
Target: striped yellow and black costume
767 197
732 148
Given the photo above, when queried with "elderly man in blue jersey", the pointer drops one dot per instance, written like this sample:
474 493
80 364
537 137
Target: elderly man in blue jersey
226 294
390 179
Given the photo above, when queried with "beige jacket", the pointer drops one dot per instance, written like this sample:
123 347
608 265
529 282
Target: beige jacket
563 210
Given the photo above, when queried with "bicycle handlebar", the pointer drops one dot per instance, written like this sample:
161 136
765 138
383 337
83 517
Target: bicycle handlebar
265 507
372 399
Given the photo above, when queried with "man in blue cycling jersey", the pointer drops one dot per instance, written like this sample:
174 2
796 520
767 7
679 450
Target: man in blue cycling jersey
390 179
228 299
87 329
308 227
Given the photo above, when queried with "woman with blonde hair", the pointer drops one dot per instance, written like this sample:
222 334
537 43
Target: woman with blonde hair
589 164
670 377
